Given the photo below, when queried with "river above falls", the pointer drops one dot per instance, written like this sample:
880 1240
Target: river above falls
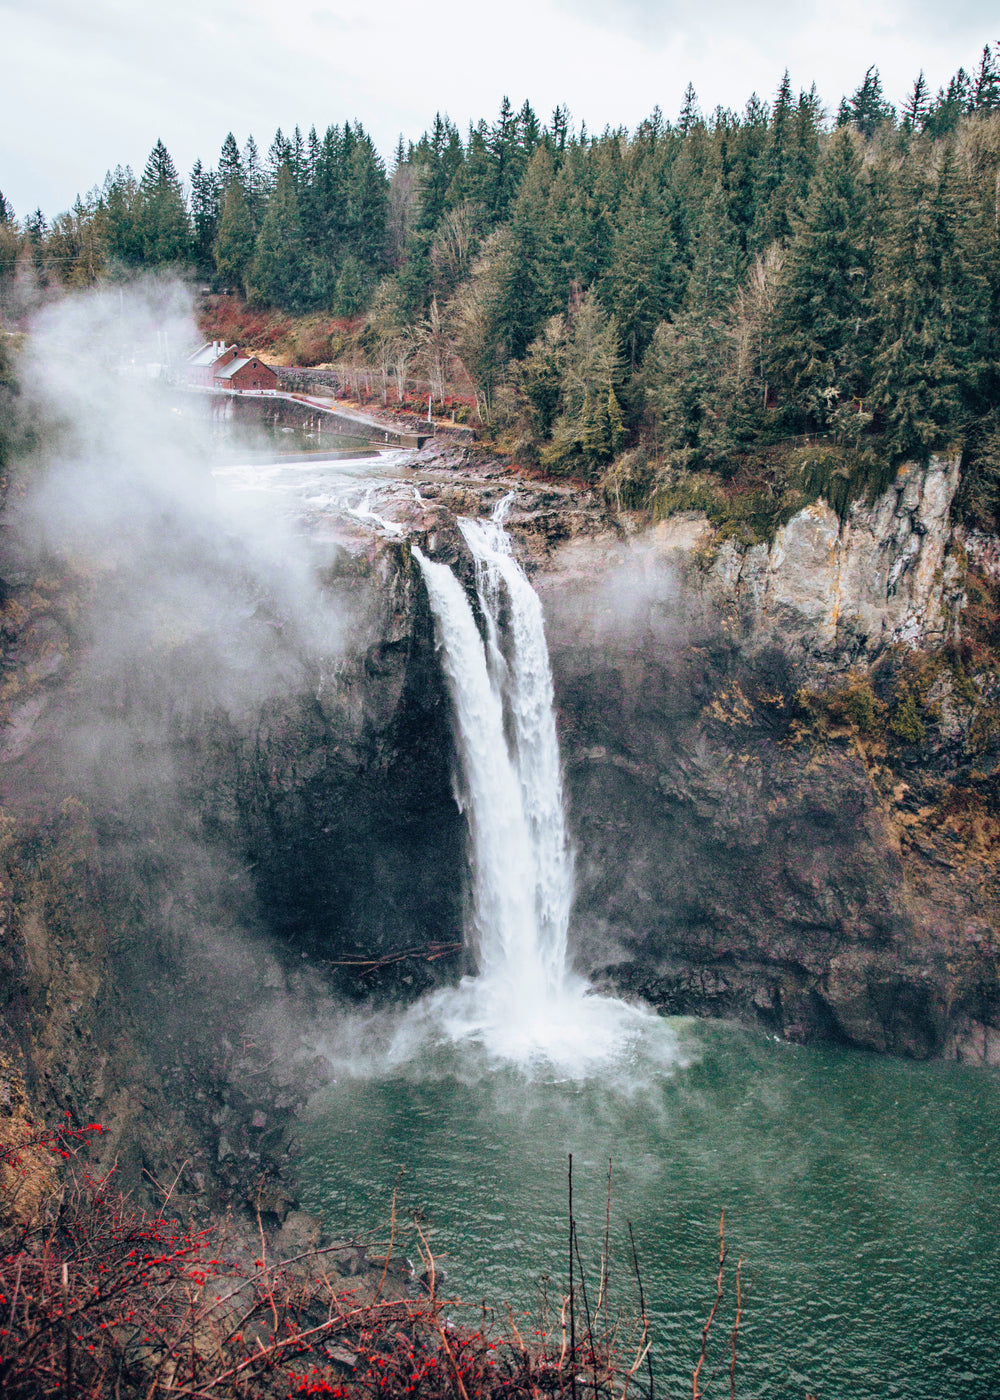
860 1190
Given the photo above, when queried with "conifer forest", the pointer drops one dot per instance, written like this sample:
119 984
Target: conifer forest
788 296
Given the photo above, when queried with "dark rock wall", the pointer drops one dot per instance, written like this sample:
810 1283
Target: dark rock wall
732 862
171 866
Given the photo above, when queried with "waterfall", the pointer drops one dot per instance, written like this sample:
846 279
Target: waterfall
510 785
525 1007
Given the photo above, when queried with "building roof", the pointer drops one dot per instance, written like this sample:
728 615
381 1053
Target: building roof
207 354
227 371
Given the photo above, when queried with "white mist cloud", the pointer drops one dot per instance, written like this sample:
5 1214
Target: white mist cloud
187 607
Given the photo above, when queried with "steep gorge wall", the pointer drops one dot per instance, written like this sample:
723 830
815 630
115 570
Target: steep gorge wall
739 856
171 865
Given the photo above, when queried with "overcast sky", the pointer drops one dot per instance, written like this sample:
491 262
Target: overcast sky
88 86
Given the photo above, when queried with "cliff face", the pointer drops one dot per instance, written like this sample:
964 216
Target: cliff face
836 591
176 860
748 847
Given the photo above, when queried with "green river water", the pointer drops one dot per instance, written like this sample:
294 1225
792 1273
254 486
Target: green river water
861 1191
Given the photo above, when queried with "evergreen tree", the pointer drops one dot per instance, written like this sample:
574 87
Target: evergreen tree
787 166
234 245
684 368
36 227
640 285
166 233
279 154
437 158
279 272
747 150
588 429
869 107
529 132
682 381
558 132
951 105
690 115
204 214
506 160
530 293
255 181
986 86
230 171
298 160
322 204
822 321
350 291
932 309
917 105
366 203
477 316
123 216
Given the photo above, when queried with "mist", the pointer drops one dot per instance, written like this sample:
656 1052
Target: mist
172 616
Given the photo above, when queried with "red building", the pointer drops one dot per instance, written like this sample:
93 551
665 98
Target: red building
245 373
217 365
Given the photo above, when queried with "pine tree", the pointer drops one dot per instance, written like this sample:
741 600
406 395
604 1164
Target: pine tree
166 233
588 429
868 106
786 167
690 115
917 105
682 380
507 162
279 272
36 227
350 291
298 161
279 154
822 319
366 191
951 104
558 131
255 181
932 308
529 132
204 214
123 219
641 283
529 294
230 170
477 317
233 249
986 85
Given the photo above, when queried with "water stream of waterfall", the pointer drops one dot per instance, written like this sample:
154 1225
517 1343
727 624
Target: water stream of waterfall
510 785
526 1003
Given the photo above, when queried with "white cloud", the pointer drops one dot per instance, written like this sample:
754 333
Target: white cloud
87 87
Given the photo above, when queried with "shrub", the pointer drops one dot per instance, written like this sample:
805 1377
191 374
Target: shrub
905 722
99 1298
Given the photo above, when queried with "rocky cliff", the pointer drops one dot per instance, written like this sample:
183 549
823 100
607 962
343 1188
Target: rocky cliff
781 769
